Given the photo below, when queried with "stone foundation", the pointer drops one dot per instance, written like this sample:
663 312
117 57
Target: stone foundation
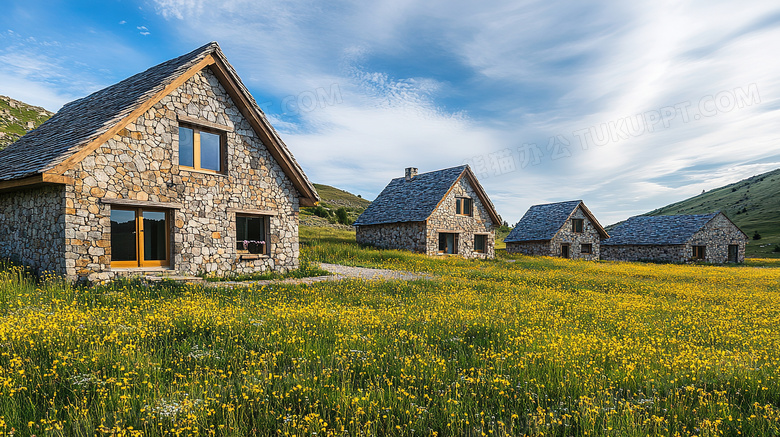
404 236
32 228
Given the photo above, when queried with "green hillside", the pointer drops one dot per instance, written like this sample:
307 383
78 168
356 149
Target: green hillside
327 212
753 204
16 118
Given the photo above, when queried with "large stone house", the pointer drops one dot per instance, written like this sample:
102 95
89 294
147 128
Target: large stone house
564 229
173 168
676 238
437 213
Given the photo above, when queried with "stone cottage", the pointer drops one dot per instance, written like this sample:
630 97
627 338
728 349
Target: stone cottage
442 212
564 229
175 168
676 238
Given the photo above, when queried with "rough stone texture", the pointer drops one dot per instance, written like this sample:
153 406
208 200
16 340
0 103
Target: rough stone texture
139 161
32 228
444 219
565 235
404 236
716 235
423 237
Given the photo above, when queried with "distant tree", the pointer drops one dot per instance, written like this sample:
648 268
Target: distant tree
320 211
756 236
776 249
506 225
359 196
341 215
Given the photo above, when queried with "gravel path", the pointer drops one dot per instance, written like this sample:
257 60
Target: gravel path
339 273
343 272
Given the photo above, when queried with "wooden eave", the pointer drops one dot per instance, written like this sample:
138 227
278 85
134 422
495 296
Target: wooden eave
35 180
308 195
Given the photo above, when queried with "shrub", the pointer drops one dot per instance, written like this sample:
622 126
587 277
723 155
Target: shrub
756 236
343 218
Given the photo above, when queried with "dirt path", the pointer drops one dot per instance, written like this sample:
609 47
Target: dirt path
338 273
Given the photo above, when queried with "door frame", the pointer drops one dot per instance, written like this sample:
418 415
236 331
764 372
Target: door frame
567 250
139 239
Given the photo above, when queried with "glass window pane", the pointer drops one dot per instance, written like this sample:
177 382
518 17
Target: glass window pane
210 158
154 236
123 235
186 147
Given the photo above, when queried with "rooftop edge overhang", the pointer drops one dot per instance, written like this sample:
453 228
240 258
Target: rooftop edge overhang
33 181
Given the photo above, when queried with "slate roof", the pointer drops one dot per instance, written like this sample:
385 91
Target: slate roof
415 200
80 122
657 230
542 222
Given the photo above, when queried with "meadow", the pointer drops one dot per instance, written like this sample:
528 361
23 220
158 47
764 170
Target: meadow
513 346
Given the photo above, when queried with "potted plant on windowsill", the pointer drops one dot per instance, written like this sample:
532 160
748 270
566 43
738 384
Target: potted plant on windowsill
254 246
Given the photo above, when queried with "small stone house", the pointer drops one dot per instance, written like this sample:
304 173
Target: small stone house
175 168
676 239
444 212
563 229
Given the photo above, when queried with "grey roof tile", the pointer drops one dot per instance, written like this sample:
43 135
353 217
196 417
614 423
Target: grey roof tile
657 230
542 222
411 201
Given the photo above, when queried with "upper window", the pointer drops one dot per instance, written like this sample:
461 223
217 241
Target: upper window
251 233
699 252
463 206
576 225
201 149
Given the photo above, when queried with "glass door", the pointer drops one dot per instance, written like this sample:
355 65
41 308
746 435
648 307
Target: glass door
139 238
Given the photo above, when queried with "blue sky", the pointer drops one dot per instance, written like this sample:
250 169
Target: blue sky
626 106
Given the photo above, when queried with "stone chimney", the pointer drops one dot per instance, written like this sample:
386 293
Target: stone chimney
410 173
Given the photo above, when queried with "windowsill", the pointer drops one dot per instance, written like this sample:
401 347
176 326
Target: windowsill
252 256
202 171
142 269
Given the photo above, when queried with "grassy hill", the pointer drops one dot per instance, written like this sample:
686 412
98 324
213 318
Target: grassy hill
753 204
326 213
16 118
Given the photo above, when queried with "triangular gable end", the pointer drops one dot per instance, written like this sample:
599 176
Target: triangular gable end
243 100
713 218
600 229
477 187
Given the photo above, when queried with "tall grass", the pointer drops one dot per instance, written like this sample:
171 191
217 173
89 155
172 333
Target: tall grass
535 346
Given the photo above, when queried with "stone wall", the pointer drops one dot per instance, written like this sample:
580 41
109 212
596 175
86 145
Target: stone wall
565 235
670 254
533 248
32 228
444 219
716 236
140 164
589 235
404 236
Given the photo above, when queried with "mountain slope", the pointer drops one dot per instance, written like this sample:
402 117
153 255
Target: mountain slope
16 118
331 200
753 204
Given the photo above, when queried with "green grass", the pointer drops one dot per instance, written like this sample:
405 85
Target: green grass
752 204
512 346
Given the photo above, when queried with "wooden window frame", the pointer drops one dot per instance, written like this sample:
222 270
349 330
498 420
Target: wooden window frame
574 225
695 249
460 203
196 152
588 245
266 224
484 243
455 243
139 242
